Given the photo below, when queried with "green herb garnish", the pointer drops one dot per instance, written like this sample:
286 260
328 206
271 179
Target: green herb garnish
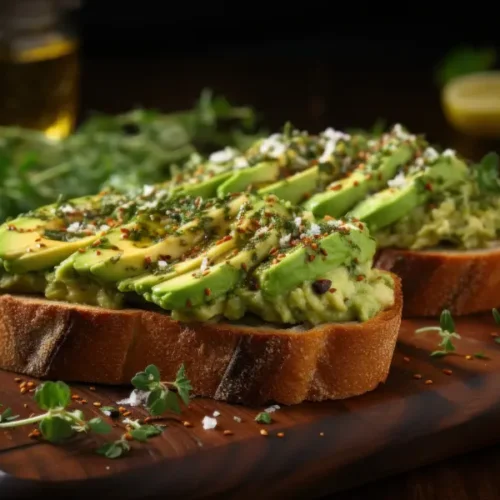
161 397
446 331
487 173
496 315
6 415
480 355
264 418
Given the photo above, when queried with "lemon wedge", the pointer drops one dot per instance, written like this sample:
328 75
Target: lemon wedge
471 103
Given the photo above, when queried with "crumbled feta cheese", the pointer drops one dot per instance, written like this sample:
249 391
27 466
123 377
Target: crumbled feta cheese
237 419
285 240
162 264
223 156
272 409
136 398
314 230
66 209
272 146
449 153
240 162
204 264
431 154
398 131
398 182
297 221
261 230
91 227
103 227
332 136
209 423
216 413
148 190
74 227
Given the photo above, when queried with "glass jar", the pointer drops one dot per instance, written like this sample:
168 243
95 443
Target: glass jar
39 66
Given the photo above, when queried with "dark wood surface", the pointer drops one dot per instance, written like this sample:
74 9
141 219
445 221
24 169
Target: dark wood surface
403 424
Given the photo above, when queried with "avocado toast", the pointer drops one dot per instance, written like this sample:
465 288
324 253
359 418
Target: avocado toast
261 301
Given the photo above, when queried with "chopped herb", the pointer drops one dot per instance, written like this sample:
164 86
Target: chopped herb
264 418
480 355
446 331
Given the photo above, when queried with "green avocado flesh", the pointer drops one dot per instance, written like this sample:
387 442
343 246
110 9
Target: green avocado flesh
285 231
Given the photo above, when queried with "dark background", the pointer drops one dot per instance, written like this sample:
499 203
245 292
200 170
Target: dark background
317 64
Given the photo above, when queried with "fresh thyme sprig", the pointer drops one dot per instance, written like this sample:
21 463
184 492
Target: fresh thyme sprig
446 331
58 423
160 396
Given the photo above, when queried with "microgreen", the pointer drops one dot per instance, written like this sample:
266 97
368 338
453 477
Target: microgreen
6 415
161 397
264 418
446 331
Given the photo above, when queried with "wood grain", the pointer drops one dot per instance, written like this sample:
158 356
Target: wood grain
400 426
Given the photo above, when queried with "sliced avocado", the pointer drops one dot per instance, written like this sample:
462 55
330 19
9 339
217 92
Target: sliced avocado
335 244
43 238
252 176
343 194
296 187
187 291
393 203
206 188
130 249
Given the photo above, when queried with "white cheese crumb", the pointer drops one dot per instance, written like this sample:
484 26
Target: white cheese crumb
216 413
449 153
240 162
398 182
204 264
148 190
261 230
398 131
298 221
103 227
237 419
272 146
209 423
333 137
314 230
272 408
136 398
223 156
431 154
67 209
284 240
74 227
162 264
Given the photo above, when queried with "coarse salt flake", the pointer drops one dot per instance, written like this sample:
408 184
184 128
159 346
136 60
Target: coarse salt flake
209 423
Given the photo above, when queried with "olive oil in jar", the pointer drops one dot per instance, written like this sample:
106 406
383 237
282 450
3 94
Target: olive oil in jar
39 70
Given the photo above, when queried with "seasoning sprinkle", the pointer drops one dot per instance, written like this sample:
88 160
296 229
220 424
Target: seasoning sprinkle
280 434
417 376
97 404
447 371
428 382
228 433
187 424
263 432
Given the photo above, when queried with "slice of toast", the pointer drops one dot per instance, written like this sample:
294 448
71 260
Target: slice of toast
234 363
465 282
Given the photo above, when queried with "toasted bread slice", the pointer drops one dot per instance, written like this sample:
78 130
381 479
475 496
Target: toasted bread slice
234 363
465 282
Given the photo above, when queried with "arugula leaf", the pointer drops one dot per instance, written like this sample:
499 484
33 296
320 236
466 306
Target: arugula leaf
464 60
53 395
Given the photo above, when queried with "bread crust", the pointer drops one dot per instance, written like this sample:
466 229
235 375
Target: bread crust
465 282
238 364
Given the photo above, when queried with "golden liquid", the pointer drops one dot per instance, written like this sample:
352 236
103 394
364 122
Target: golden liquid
39 88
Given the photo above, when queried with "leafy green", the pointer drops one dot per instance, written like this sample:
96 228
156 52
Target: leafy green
53 395
496 316
124 152
446 331
480 355
487 173
464 60
264 418
7 416
161 398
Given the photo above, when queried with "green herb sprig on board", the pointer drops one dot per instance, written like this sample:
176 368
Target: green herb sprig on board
446 331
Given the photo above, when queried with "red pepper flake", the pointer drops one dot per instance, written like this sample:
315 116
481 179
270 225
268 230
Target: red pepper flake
81 250
280 434
417 376
273 251
328 217
205 272
360 277
208 292
447 371
356 183
338 187
428 382
314 246
428 186
127 413
35 433
122 410
147 262
228 433
244 266
311 257
98 252
332 290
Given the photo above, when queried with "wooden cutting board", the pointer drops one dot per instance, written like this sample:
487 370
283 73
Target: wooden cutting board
326 447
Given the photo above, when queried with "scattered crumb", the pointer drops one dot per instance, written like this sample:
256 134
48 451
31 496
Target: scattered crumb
237 419
281 434
24 390
406 359
216 413
209 423
447 371
127 413
97 404
263 432
35 433
84 401
428 382
468 357
187 424
25 405
321 434
91 388
228 433
74 397
272 409
18 380
417 376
